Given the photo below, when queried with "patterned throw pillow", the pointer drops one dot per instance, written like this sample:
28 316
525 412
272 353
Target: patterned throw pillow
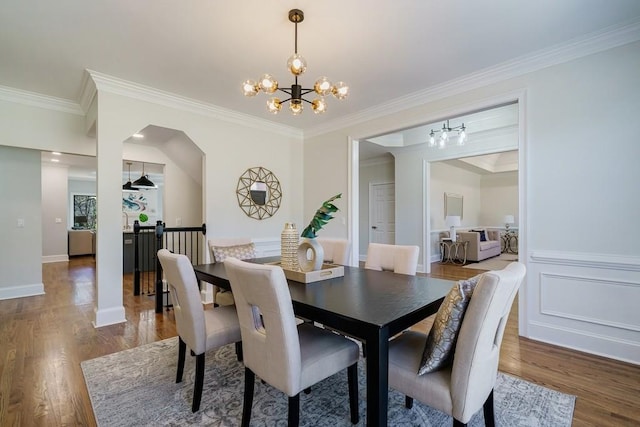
247 251
441 341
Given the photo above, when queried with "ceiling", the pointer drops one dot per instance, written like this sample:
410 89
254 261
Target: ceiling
203 49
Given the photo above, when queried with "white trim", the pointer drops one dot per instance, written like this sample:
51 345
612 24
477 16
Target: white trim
88 92
46 259
377 161
618 349
42 101
140 92
607 39
21 291
110 316
353 201
267 247
426 224
599 261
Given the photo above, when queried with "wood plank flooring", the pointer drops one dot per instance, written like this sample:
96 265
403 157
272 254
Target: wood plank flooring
44 338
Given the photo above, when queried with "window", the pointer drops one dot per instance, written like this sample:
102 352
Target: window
84 211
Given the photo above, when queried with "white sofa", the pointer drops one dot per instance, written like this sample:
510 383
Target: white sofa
478 250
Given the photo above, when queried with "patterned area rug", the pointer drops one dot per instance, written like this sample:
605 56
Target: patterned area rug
137 388
497 263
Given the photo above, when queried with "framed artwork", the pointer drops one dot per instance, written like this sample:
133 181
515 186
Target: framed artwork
143 201
452 205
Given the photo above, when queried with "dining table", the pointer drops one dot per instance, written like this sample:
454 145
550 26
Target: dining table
371 306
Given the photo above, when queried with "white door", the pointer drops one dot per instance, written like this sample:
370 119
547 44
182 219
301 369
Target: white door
382 215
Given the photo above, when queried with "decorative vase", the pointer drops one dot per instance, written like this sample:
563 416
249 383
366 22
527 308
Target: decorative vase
289 247
310 255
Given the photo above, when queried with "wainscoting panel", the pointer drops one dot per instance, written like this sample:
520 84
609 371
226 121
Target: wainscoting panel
560 295
267 247
588 302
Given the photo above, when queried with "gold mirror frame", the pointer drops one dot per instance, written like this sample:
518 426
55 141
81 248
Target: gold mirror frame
272 198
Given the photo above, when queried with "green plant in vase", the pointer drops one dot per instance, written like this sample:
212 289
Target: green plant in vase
310 245
322 216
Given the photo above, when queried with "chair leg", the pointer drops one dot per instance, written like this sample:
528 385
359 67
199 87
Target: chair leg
249 382
182 350
294 411
197 390
352 379
408 402
239 351
489 415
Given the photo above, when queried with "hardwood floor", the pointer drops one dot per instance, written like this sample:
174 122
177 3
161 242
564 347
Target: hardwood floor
44 338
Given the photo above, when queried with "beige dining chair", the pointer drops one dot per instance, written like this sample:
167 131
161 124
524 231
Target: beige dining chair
200 330
336 251
465 385
287 356
401 259
223 247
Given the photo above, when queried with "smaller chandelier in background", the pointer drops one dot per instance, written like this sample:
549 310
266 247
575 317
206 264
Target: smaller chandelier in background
445 134
296 65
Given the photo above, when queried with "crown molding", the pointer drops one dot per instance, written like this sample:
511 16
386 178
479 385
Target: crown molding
36 100
110 84
606 39
378 161
88 91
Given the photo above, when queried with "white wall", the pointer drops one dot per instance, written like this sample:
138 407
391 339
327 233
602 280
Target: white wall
20 196
579 178
55 206
499 197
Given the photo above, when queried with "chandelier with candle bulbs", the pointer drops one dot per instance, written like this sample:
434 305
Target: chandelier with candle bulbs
440 137
296 65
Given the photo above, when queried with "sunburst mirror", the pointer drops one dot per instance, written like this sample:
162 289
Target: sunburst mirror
259 193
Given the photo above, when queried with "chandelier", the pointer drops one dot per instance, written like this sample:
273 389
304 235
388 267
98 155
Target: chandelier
296 65
445 134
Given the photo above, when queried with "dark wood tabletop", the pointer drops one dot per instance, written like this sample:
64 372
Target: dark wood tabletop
366 304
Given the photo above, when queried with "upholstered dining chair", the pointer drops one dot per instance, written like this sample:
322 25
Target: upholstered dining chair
223 247
401 259
287 356
336 251
200 330
465 380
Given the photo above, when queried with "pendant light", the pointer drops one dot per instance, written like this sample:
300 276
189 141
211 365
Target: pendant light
128 186
144 181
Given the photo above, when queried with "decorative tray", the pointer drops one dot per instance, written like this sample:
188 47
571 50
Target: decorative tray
328 271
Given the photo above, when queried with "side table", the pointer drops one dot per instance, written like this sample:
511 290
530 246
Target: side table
509 242
453 252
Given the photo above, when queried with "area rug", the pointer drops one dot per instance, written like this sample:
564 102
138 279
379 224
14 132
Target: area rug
137 388
496 263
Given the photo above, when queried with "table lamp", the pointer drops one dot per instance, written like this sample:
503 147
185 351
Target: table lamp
452 221
508 219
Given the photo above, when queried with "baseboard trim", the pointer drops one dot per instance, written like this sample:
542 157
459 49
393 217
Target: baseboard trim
55 258
110 316
618 349
22 291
